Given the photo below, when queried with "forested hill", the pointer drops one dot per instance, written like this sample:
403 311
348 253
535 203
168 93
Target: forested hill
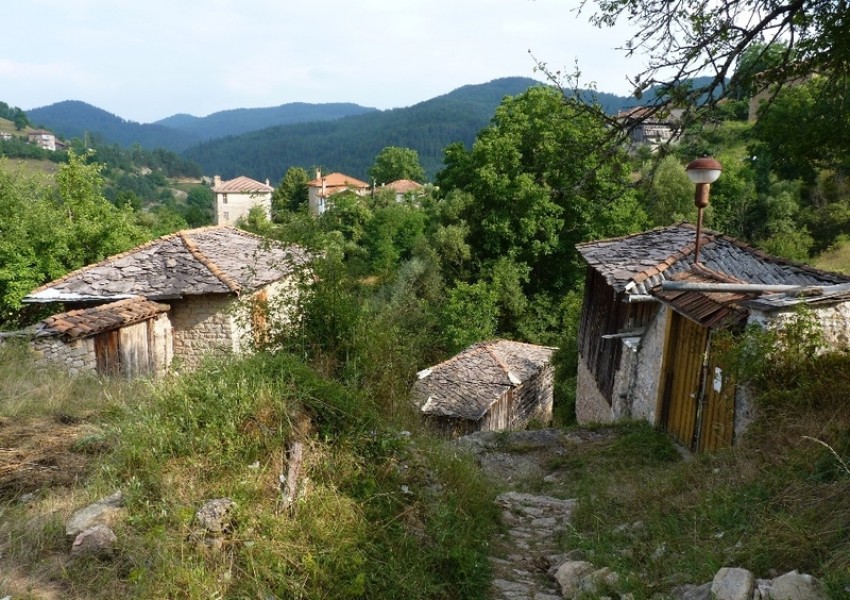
76 119
243 120
351 144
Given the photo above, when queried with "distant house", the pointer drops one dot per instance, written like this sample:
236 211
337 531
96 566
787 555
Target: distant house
489 386
42 139
404 188
206 290
5 136
647 352
235 198
647 129
323 187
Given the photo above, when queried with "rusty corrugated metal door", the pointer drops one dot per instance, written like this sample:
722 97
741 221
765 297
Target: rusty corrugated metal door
683 364
717 420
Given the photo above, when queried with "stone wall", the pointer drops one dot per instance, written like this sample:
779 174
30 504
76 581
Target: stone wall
646 381
202 324
76 356
591 405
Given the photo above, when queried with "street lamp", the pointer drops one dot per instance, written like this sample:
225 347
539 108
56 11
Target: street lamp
703 172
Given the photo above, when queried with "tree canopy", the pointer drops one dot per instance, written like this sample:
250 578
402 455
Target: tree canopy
394 163
685 40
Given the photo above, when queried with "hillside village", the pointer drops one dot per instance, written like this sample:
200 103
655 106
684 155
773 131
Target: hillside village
592 355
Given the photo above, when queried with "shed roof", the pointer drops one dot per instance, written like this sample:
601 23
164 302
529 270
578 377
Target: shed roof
709 309
466 385
86 322
637 263
209 260
242 184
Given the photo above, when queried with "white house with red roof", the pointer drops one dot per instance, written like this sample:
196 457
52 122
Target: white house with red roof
323 187
236 197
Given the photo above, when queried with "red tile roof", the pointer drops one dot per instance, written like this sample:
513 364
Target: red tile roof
86 322
338 180
403 186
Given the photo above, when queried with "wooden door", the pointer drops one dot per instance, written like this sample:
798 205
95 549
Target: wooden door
717 414
684 356
106 351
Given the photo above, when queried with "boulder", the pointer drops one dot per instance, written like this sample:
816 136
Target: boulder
692 592
570 574
96 540
600 580
794 586
102 512
732 583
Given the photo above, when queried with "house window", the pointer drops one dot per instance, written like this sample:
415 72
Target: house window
224 198
226 215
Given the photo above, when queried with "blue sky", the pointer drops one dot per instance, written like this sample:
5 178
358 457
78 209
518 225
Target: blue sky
146 60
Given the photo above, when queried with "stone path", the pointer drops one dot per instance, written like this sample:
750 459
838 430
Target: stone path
522 556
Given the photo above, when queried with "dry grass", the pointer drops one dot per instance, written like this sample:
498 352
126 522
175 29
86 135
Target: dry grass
835 259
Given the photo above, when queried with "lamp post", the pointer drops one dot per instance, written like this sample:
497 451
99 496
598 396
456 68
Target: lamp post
703 172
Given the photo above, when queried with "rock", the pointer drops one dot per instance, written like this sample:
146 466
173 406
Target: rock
732 583
216 516
692 592
102 512
96 540
794 586
599 580
570 574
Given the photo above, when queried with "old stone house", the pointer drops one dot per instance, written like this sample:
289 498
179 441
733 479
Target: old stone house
320 189
215 287
235 198
645 349
489 386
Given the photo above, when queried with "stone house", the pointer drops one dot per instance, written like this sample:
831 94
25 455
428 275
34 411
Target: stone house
649 319
494 385
647 128
320 189
236 197
220 286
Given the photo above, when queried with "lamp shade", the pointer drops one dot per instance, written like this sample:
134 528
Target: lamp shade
703 170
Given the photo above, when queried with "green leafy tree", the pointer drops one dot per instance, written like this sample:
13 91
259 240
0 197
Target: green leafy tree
292 193
469 315
670 194
538 187
393 163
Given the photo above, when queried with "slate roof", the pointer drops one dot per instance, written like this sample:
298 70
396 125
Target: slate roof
242 185
209 260
466 385
637 263
87 322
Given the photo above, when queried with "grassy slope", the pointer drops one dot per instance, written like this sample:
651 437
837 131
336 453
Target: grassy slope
382 516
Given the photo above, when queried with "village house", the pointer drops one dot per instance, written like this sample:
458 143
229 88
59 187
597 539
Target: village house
650 315
320 189
489 386
404 188
647 129
186 294
42 139
235 198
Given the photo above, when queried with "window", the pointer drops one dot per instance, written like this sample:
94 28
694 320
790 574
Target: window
226 215
224 198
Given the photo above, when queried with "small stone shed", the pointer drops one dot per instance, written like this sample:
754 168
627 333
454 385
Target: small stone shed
129 337
650 315
489 386
219 284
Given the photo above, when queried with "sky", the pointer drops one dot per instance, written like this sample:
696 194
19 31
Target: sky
145 60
